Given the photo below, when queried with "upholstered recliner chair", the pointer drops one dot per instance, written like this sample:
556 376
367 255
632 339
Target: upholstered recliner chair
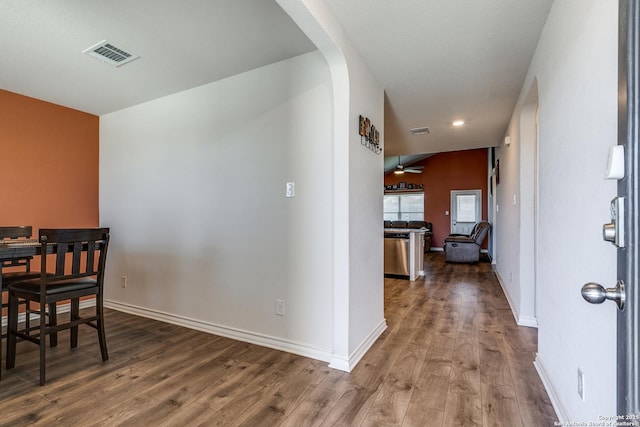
460 248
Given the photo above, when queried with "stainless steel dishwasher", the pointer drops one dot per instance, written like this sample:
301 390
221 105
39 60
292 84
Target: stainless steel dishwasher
396 253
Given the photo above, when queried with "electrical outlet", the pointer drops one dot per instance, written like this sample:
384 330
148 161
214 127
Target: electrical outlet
581 384
123 281
280 307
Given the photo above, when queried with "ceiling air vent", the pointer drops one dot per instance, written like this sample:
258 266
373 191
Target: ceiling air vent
110 54
420 131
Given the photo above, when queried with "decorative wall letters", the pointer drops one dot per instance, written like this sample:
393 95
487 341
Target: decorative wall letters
369 135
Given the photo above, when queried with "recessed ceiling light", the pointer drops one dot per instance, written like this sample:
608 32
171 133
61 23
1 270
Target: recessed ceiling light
420 131
458 123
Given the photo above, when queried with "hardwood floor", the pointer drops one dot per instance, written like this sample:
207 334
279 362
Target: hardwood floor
451 356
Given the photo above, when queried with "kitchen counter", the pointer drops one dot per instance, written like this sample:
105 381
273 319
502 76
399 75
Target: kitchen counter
404 252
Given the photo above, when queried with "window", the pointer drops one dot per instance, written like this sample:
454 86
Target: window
404 207
466 208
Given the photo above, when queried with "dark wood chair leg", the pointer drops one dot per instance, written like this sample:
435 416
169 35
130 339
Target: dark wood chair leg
53 321
43 352
12 328
75 315
42 336
102 337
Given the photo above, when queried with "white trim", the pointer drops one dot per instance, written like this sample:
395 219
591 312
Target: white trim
224 331
62 308
528 321
339 363
554 397
347 365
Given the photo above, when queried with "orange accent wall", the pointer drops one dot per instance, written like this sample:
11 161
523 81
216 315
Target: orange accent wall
48 164
442 173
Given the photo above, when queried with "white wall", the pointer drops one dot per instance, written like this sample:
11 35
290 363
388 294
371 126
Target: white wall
507 218
575 71
358 318
516 217
192 186
366 190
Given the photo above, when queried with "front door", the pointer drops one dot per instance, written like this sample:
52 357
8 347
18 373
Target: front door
624 229
466 210
628 272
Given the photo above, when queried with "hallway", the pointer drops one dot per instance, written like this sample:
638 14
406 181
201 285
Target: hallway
454 338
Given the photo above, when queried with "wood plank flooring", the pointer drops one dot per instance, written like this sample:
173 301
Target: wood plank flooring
451 356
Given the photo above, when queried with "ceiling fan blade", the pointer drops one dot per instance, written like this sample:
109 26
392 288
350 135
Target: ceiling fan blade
413 171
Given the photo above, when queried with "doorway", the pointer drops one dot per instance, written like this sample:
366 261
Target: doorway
528 211
466 210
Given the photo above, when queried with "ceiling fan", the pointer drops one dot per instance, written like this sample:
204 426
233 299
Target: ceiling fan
400 169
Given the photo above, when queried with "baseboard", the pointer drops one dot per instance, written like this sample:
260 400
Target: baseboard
528 321
347 365
558 407
62 308
224 331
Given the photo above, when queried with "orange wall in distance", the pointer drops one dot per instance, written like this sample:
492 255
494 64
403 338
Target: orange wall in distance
48 164
442 173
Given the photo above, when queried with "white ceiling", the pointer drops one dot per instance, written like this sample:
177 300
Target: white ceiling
182 44
442 60
438 60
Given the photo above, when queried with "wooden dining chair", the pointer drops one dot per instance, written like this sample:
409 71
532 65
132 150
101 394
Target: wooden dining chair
79 257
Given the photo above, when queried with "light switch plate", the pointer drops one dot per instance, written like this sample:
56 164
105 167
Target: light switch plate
290 190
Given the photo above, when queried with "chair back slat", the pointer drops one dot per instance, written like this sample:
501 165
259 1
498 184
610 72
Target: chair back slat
91 250
76 258
76 252
61 250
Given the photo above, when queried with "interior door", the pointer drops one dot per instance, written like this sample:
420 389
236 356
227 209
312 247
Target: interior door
624 229
466 210
628 127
